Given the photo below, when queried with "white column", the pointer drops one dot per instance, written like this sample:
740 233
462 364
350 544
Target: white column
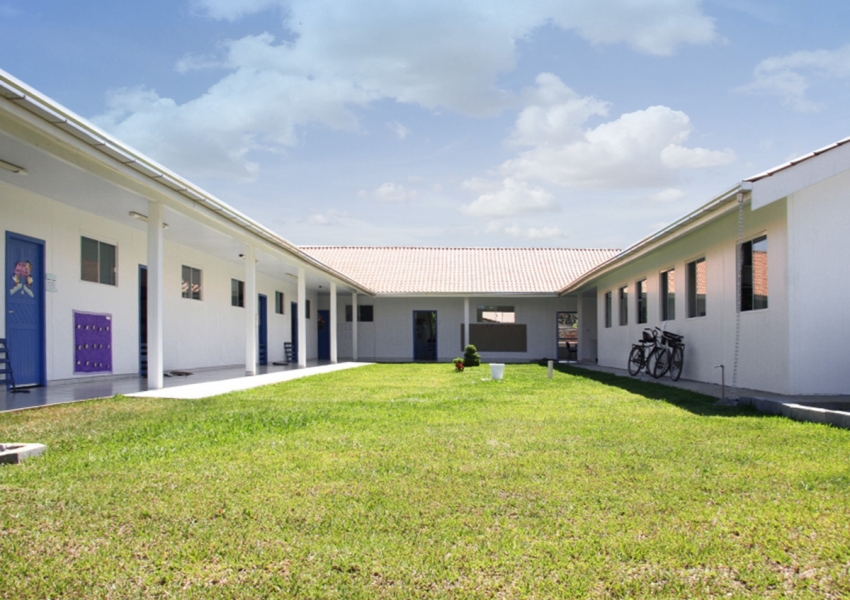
250 311
333 324
466 322
302 318
155 308
354 326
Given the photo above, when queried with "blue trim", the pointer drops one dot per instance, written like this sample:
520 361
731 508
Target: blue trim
42 316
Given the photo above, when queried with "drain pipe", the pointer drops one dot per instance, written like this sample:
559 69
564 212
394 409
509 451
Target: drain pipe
722 382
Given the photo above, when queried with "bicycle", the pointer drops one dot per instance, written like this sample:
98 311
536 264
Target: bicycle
643 355
670 357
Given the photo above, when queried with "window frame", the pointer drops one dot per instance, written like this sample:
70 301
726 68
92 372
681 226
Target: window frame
608 307
279 303
500 310
188 293
667 297
99 263
641 301
360 316
747 301
692 294
237 293
623 299
307 310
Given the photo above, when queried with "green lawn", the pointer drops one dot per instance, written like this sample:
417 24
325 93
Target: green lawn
398 481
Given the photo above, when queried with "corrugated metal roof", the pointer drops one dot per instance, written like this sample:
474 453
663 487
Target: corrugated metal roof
419 270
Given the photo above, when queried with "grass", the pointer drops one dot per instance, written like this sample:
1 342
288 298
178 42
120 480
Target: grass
400 481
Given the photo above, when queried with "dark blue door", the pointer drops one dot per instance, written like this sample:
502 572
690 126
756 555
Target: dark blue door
324 341
262 331
294 317
424 335
25 337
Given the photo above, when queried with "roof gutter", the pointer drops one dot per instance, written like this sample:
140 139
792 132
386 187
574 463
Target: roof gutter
22 95
717 203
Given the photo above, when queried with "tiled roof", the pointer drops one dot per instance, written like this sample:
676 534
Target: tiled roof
411 270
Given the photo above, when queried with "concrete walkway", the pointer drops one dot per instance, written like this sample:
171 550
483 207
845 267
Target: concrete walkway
195 391
832 410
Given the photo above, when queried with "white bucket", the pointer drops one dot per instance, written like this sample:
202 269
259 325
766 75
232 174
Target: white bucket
497 371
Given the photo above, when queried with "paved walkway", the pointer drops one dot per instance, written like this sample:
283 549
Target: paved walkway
217 381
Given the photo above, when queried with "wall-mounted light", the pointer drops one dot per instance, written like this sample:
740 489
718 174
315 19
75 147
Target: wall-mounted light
12 168
141 217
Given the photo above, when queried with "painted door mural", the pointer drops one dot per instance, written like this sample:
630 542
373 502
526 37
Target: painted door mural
323 323
262 330
25 325
424 335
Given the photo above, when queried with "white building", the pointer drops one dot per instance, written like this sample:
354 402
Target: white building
114 265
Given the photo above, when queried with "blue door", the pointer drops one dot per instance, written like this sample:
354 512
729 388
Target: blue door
25 329
424 335
324 342
262 331
294 317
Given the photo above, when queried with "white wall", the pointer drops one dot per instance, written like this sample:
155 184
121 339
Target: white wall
197 334
818 219
710 340
390 336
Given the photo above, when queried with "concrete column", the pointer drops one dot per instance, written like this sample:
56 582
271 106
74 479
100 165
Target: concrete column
466 321
302 318
250 310
155 305
354 326
333 324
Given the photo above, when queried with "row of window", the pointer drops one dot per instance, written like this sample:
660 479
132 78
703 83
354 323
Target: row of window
753 287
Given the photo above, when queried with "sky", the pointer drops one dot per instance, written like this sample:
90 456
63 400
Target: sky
581 123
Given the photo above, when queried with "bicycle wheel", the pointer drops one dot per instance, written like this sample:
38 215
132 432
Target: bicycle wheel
676 362
662 362
635 360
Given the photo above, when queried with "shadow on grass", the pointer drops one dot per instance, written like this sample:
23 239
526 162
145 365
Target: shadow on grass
693 402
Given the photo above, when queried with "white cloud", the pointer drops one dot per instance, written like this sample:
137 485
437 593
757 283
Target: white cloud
510 197
391 192
668 195
399 130
790 77
338 56
534 233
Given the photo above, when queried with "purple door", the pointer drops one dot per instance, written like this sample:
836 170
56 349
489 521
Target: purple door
24 291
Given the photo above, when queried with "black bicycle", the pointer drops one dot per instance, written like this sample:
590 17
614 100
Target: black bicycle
644 354
670 357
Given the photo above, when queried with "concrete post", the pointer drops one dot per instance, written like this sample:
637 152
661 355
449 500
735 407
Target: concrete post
155 287
354 326
302 318
466 321
333 324
250 310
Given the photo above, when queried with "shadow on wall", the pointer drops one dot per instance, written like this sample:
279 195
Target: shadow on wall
693 402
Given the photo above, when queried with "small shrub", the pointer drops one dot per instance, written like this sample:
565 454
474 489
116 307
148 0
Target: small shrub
471 358
458 364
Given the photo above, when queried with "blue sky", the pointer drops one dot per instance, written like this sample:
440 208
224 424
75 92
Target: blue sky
449 123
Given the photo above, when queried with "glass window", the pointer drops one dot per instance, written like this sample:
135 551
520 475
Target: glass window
607 309
97 261
237 293
696 288
191 283
641 301
624 305
278 302
365 313
668 295
307 312
496 314
754 274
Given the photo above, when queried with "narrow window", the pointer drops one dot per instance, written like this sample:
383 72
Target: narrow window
191 283
97 261
624 305
668 295
641 301
496 314
237 293
607 309
754 274
696 288
307 312
278 302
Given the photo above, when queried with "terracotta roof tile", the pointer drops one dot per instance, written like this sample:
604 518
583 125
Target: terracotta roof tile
417 270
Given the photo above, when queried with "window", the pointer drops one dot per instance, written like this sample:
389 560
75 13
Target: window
191 283
607 309
496 314
696 288
754 274
668 295
278 302
365 313
237 293
97 261
624 305
307 312
641 301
